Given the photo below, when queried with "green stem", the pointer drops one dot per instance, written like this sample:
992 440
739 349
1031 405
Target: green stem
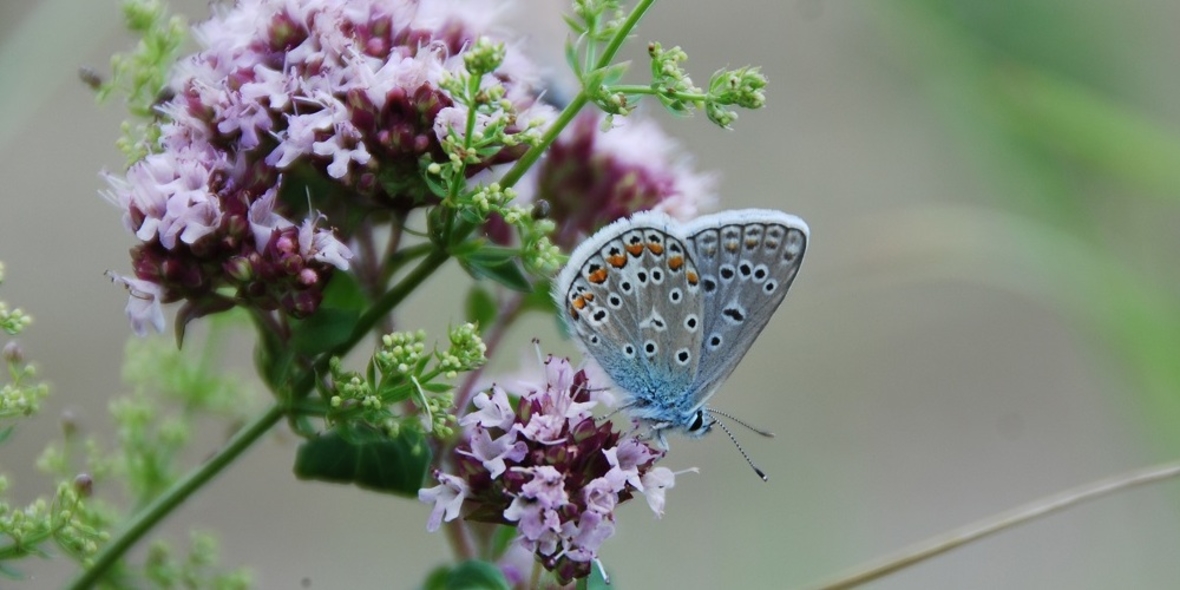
571 110
693 97
163 505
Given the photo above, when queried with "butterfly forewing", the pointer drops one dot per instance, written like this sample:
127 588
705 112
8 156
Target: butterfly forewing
747 261
634 300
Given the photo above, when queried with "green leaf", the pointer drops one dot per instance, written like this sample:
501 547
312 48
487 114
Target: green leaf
502 539
397 466
540 299
481 306
437 387
6 432
605 76
322 331
469 575
331 324
272 359
498 264
344 292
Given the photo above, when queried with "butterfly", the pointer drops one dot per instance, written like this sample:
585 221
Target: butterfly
668 309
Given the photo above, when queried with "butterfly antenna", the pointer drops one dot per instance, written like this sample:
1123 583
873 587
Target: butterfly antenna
741 450
765 433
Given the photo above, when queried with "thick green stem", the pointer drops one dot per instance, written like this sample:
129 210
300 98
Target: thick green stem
163 505
571 110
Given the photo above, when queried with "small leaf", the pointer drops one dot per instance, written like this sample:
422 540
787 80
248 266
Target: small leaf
331 324
502 539
498 264
540 299
469 575
397 465
433 387
322 331
481 306
6 432
344 292
272 359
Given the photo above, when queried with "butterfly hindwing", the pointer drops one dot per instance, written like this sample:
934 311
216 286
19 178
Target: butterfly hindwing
747 260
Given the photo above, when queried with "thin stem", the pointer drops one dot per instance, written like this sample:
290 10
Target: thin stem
303 383
571 110
460 540
945 542
163 505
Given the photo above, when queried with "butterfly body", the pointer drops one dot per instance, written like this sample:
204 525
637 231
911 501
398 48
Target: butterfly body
668 309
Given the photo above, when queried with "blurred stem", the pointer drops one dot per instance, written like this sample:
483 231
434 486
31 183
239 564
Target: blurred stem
460 539
1004 520
163 505
571 110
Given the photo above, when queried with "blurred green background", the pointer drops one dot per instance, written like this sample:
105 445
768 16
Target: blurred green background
989 311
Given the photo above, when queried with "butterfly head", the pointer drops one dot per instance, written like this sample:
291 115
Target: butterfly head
700 424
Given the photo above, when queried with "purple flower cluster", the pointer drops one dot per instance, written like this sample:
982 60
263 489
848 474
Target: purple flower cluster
548 468
592 177
290 101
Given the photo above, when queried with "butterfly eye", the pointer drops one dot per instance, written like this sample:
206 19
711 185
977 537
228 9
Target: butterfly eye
698 423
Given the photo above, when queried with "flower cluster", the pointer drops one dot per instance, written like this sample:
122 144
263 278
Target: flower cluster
592 177
293 103
548 468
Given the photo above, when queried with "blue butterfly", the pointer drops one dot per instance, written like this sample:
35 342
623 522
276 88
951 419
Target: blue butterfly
669 309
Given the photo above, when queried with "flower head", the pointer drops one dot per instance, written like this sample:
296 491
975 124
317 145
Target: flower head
592 177
550 469
341 96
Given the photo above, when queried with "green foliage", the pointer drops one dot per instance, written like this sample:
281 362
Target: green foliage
401 370
147 457
197 569
597 23
1032 93
371 460
377 428
469 575
140 75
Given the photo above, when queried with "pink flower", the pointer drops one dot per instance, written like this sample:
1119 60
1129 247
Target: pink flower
143 308
591 177
493 452
551 469
494 411
447 498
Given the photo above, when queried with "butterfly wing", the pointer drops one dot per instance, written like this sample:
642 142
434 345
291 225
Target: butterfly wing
747 260
631 295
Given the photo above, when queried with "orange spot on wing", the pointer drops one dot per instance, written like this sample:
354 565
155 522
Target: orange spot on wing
617 261
634 249
589 297
597 277
655 248
579 302
675 262
692 277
